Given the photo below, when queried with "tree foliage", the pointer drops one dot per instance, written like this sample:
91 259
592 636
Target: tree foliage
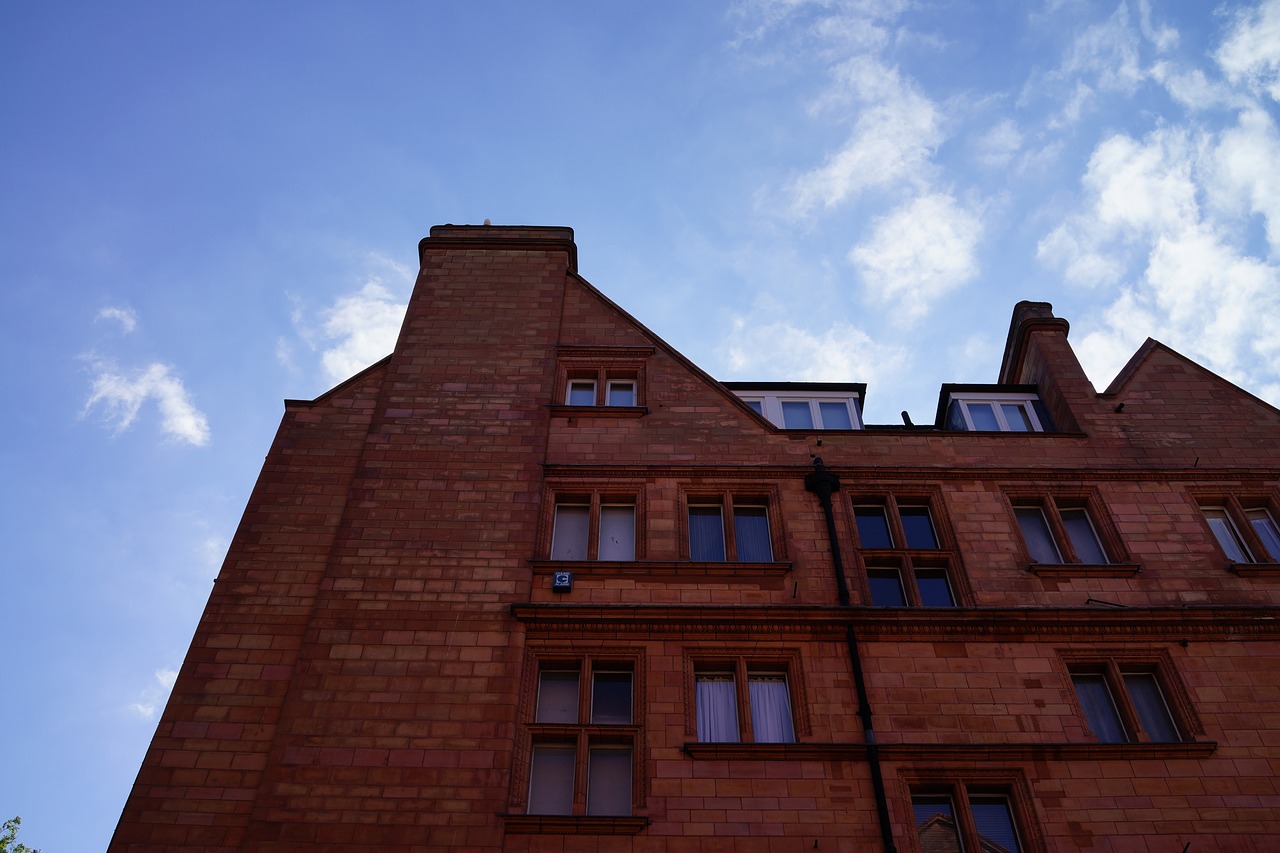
9 838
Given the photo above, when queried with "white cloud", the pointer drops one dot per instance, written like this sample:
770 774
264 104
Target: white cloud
1143 187
122 395
151 698
892 142
1244 171
1205 298
761 345
996 147
918 253
126 317
1163 37
365 324
1073 107
1108 53
1191 88
1135 191
358 328
1170 214
1251 53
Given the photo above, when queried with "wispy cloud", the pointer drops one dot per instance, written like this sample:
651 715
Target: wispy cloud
1166 221
766 342
996 147
917 253
126 317
892 143
358 328
1251 53
121 394
151 698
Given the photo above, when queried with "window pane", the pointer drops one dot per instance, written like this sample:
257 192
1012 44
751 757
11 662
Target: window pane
873 528
1035 532
622 393
551 780
706 533
770 709
609 780
751 534
835 416
557 697
1015 416
936 824
617 532
1153 711
982 416
796 415
717 706
994 821
1099 708
569 536
1226 534
756 405
582 393
1265 526
1083 537
917 526
935 589
886 588
611 698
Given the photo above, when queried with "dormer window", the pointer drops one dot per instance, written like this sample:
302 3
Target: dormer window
995 411
803 405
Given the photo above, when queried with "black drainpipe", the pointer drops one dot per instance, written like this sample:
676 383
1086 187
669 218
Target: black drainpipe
824 484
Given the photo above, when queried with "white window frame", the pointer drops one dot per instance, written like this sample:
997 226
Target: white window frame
1026 401
771 406
613 384
568 391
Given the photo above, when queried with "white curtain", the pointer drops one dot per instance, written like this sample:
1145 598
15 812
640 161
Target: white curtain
717 708
770 709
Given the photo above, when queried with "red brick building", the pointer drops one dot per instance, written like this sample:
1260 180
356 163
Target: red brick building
537 582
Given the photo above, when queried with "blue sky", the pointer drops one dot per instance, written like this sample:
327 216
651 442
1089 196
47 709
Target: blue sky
205 209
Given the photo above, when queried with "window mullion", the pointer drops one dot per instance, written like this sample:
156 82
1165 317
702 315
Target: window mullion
593 527
740 687
964 817
1124 705
896 530
580 773
1059 531
730 534
909 586
1240 518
